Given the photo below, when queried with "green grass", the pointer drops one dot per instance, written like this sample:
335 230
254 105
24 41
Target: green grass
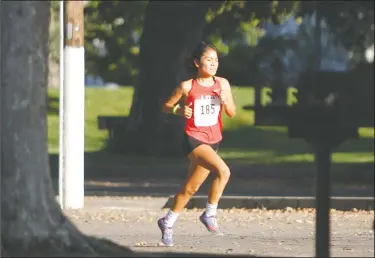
97 102
243 142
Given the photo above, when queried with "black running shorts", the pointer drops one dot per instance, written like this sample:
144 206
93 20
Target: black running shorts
191 143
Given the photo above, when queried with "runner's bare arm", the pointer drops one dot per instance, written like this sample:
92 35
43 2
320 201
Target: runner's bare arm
180 91
229 107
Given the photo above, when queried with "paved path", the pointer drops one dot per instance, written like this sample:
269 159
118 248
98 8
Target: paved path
132 222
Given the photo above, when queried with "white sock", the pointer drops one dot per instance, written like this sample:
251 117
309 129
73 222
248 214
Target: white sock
170 218
211 209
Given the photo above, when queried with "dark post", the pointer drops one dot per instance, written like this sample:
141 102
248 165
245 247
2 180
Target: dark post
322 150
323 193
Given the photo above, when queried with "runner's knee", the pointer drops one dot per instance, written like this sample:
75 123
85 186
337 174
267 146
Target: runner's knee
224 173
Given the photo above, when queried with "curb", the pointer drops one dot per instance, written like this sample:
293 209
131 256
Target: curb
179 254
278 202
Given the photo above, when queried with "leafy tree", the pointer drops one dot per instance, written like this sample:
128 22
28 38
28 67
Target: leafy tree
227 25
351 21
114 26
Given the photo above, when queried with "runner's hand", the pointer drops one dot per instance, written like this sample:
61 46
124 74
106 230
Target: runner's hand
187 111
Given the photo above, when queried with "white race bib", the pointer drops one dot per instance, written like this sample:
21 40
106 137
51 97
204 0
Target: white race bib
206 110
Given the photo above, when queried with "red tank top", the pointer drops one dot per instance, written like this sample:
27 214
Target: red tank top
205 124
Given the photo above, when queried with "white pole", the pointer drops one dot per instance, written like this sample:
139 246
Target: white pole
74 113
61 107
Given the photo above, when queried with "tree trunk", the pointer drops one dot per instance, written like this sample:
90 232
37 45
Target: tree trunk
171 31
31 220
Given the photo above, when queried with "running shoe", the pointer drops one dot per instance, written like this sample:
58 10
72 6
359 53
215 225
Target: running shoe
210 223
166 233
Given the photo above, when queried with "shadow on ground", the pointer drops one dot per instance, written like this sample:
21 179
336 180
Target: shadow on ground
105 177
276 140
115 174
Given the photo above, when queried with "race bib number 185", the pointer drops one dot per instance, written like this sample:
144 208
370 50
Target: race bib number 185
206 111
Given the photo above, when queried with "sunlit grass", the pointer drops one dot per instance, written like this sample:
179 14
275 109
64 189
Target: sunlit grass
243 141
97 102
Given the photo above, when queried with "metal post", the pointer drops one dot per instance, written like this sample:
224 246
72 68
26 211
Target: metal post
323 197
74 106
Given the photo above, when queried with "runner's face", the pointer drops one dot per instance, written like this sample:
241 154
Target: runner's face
209 63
